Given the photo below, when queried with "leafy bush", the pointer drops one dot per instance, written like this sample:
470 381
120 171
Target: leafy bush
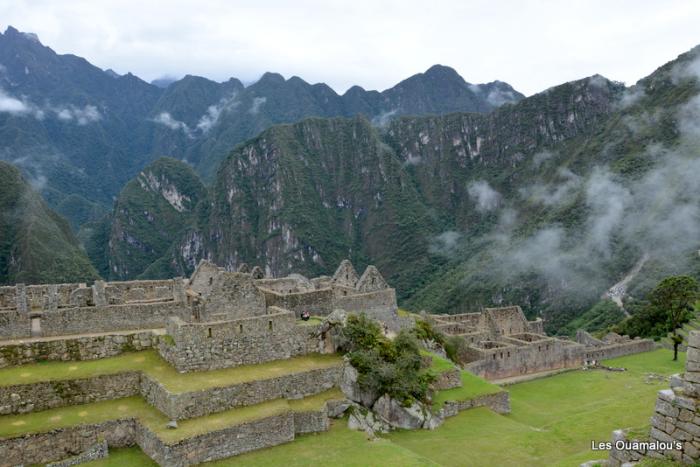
424 331
454 347
385 366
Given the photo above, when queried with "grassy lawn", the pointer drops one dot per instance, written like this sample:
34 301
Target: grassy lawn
553 419
439 364
136 407
123 457
152 364
472 386
338 446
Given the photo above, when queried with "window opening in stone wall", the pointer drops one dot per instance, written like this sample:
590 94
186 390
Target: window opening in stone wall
240 328
209 333
269 325
211 280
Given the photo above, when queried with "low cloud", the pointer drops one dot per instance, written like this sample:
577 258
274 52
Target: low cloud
71 113
257 103
485 197
384 118
213 113
80 115
167 120
445 243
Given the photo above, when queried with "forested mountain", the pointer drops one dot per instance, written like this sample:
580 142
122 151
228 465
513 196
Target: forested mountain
36 245
546 203
80 133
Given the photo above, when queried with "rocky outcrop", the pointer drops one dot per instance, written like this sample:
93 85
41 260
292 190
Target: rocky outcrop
350 386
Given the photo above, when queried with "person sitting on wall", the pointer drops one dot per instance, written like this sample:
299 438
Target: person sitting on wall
305 315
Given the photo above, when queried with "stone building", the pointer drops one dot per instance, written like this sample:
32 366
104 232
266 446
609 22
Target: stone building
502 343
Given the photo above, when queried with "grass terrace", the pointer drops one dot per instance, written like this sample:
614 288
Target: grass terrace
552 423
136 407
472 386
153 365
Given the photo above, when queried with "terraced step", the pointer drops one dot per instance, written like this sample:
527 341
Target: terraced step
40 437
178 395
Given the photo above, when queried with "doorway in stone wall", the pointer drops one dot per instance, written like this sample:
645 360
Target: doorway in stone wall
35 326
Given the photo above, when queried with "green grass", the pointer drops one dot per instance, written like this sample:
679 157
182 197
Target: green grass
136 407
472 386
153 365
123 457
439 364
338 446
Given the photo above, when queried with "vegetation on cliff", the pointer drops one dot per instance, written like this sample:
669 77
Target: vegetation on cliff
36 244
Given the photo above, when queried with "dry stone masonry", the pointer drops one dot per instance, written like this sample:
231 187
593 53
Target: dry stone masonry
675 425
502 343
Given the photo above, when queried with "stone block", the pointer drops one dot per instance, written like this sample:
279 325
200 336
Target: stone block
685 415
694 339
665 408
690 427
693 355
660 436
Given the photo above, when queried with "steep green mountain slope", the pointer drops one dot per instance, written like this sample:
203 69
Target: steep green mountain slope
151 212
301 197
619 204
79 133
36 245
549 203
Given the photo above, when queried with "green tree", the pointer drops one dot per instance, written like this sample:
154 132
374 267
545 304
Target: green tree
675 296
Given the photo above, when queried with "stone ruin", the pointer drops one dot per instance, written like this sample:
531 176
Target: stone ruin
675 423
219 319
226 318
501 343
215 320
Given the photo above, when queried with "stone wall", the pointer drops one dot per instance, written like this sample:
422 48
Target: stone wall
41 448
233 295
448 379
675 425
93 319
194 404
98 451
519 360
14 324
224 344
34 397
378 301
75 349
311 421
619 350
499 402
59 444
316 302
219 444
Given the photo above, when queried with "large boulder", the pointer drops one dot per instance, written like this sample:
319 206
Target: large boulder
362 419
351 387
398 416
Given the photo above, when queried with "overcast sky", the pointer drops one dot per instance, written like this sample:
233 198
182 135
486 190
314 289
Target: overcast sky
530 44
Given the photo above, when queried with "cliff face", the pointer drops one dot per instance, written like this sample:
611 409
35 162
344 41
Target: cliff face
303 196
37 245
152 211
